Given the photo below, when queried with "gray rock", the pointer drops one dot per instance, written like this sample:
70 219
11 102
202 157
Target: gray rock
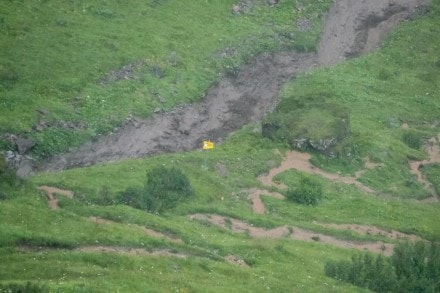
300 143
24 145
25 168
323 145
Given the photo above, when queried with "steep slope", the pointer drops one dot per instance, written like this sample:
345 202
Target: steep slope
350 29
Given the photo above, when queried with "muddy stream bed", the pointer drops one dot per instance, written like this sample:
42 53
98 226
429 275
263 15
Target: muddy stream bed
351 28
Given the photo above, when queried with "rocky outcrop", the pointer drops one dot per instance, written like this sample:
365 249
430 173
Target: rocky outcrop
18 159
322 145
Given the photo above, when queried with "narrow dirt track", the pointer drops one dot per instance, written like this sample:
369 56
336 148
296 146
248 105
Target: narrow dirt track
295 233
300 161
351 28
433 150
148 231
295 160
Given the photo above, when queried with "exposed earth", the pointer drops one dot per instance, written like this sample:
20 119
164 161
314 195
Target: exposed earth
351 28
292 160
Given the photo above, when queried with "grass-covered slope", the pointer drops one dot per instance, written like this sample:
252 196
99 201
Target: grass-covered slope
77 69
92 245
393 103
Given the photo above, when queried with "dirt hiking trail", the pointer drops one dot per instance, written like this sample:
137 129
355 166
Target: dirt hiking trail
351 28
296 160
147 231
433 150
300 161
295 233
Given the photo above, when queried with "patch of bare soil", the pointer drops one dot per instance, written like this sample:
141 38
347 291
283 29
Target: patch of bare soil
351 28
131 251
373 231
50 193
235 260
229 105
433 150
237 226
300 161
255 198
148 231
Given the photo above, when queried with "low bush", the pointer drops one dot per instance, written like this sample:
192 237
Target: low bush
24 288
413 139
164 188
417 267
412 268
308 192
132 197
8 179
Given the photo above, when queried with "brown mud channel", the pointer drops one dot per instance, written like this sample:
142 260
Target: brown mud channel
351 28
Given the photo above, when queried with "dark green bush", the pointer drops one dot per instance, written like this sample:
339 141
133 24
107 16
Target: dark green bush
308 192
412 268
132 196
8 179
47 242
432 173
164 188
23 288
413 139
104 197
417 267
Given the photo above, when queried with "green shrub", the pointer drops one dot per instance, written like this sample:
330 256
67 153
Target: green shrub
24 288
8 178
432 173
413 139
365 271
309 192
104 197
412 268
164 188
417 267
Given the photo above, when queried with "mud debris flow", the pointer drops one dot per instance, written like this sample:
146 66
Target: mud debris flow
351 28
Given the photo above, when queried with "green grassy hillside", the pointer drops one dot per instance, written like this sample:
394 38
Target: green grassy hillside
94 244
88 65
